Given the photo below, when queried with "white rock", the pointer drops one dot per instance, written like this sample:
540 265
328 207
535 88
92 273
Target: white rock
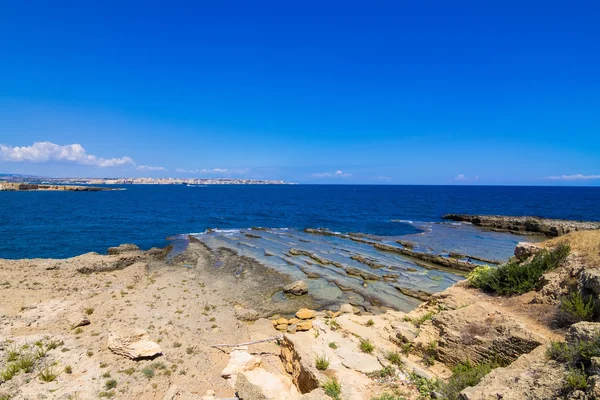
259 384
133 343
346 309
239 361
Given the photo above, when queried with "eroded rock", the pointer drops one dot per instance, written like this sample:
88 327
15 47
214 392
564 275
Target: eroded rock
297 288
133 343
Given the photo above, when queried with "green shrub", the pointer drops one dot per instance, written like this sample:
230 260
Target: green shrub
366 346
47 374
110 384
424 386
394 358
518 278
463 376
322 363
383 373
576 308
576 379
332 388
148 373
389 396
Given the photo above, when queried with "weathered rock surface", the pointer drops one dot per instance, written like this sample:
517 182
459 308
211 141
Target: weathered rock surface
544 226
480 333
246 314
297 288
530 377
347 309
239 361
368 276
305 313
78 319
177 393
583 331
123 248
259 384
133 343
416 294
524 250
589 281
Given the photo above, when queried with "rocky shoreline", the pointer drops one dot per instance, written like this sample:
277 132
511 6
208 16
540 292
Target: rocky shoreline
211 324
29 187
528 225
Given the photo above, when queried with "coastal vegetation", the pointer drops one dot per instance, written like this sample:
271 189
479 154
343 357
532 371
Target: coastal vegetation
517 277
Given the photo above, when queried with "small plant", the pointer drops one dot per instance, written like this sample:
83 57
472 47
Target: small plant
394 358
9 372
148 373
128 371
322 363
110 384
109 394
576 308
576 379
89 353
385 372
370 322
430 354
54 344
68 369
176 344
407 348
390 396
332 388
189 350
424 386
464 375
77 331
332 345
366 346
106 375
89 310
48 374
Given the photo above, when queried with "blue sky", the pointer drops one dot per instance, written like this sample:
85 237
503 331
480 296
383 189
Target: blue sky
438 92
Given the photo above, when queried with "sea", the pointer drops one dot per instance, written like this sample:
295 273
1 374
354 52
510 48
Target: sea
267 222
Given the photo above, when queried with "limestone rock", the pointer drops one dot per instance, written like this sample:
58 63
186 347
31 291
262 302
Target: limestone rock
582 331
259 384
297 288
346 309
124 248
530 377
524 250
133 343
176 393
78 319
246 314
304 326
281 327
404 332
358 361
480 333
299 363
239 361
305 313
589 281
281 321
368 276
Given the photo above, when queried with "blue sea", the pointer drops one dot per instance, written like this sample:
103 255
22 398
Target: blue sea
65 224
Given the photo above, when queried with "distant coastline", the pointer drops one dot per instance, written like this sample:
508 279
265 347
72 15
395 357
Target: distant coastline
32 187
23 179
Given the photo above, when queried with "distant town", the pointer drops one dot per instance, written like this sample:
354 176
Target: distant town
136 181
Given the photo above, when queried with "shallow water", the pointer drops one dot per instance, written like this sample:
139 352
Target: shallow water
271 247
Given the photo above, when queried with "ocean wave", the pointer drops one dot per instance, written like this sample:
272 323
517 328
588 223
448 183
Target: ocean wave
403 221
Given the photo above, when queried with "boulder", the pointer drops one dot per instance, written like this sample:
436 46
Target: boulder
78 319
304 326
346 309
239 361
524 250
305 313
589 281
246 314
583 331
404 332
133 343
297 288
368 276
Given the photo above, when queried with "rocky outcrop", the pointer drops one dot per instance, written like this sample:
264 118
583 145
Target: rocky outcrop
133 343
533 225
246 314
239 361
446 262
524 250
415 294
479 333
530 377
367 276
315 257
297 288
123 248
95 263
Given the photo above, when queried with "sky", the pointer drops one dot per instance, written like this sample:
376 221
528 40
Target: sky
378 92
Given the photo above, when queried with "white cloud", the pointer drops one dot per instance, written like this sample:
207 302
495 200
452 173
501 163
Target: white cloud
41 152
576 177
336 174
463 178
215 171
149 168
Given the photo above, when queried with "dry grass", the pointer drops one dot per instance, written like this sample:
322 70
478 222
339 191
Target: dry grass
585 243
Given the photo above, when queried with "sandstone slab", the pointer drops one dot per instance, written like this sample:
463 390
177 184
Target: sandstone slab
133 343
